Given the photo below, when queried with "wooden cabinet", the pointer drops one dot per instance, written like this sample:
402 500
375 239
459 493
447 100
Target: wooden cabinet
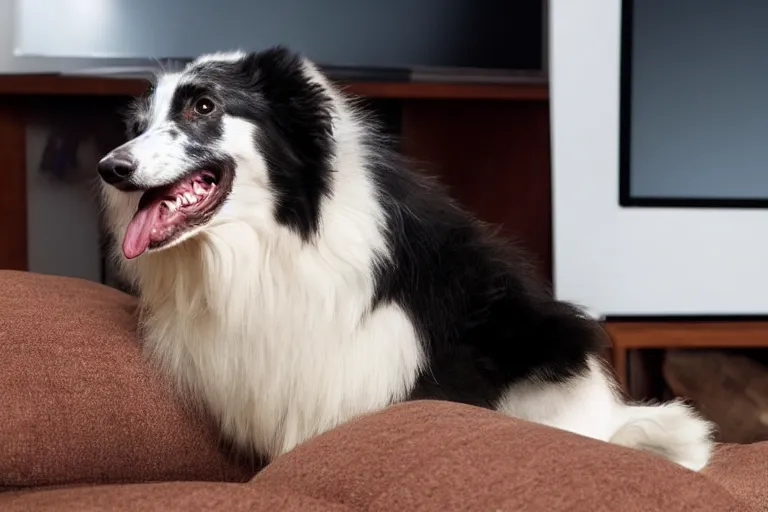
488 143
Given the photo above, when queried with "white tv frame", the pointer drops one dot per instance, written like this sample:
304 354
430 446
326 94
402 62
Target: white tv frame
629 261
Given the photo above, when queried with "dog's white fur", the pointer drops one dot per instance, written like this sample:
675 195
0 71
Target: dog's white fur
276 336
590 406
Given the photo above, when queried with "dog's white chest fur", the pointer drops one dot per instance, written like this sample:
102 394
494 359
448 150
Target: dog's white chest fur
278 344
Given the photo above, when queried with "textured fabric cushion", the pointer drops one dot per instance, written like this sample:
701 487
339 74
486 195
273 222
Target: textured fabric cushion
742 469
78 402
430 456
446 457
162 497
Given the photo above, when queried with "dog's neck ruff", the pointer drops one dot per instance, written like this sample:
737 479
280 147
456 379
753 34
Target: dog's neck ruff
299 312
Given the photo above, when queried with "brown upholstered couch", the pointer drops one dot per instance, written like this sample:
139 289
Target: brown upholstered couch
85 424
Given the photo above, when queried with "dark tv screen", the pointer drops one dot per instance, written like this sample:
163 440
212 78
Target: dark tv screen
694 103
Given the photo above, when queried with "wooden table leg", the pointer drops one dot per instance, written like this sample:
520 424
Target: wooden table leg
13 193
619 360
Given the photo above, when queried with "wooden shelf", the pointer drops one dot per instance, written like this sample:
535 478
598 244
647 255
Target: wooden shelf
626 336
59 85
631 335
488 143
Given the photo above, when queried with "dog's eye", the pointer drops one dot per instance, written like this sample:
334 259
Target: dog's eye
137 129
204 106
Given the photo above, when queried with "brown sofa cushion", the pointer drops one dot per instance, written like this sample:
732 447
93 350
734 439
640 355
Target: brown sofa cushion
444 457
165 497
742 469
441 457
78 402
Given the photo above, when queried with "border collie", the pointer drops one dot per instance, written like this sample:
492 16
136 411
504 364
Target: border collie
294 273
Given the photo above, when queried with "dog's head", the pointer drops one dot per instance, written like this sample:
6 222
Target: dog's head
254 124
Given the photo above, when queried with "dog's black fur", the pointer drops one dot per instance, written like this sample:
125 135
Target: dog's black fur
486 318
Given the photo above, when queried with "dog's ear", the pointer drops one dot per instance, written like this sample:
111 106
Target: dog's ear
278 62
297 138
284 79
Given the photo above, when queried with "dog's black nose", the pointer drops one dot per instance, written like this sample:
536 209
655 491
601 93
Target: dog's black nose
117 171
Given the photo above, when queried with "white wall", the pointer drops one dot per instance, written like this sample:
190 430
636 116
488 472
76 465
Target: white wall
632 261
11 64
62 218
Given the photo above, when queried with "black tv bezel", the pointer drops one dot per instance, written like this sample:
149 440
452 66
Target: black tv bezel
626 199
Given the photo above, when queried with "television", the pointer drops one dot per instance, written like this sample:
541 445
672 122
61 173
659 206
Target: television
427 35
659 162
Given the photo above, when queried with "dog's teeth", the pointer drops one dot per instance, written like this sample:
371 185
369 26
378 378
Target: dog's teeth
179 201
190 197
170 205
199 190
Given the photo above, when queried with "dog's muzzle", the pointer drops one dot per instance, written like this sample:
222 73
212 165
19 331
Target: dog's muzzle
117 169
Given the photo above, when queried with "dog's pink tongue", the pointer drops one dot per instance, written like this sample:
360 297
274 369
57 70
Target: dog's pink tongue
137 236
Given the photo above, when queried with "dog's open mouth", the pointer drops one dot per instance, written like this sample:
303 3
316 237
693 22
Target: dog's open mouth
165 213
